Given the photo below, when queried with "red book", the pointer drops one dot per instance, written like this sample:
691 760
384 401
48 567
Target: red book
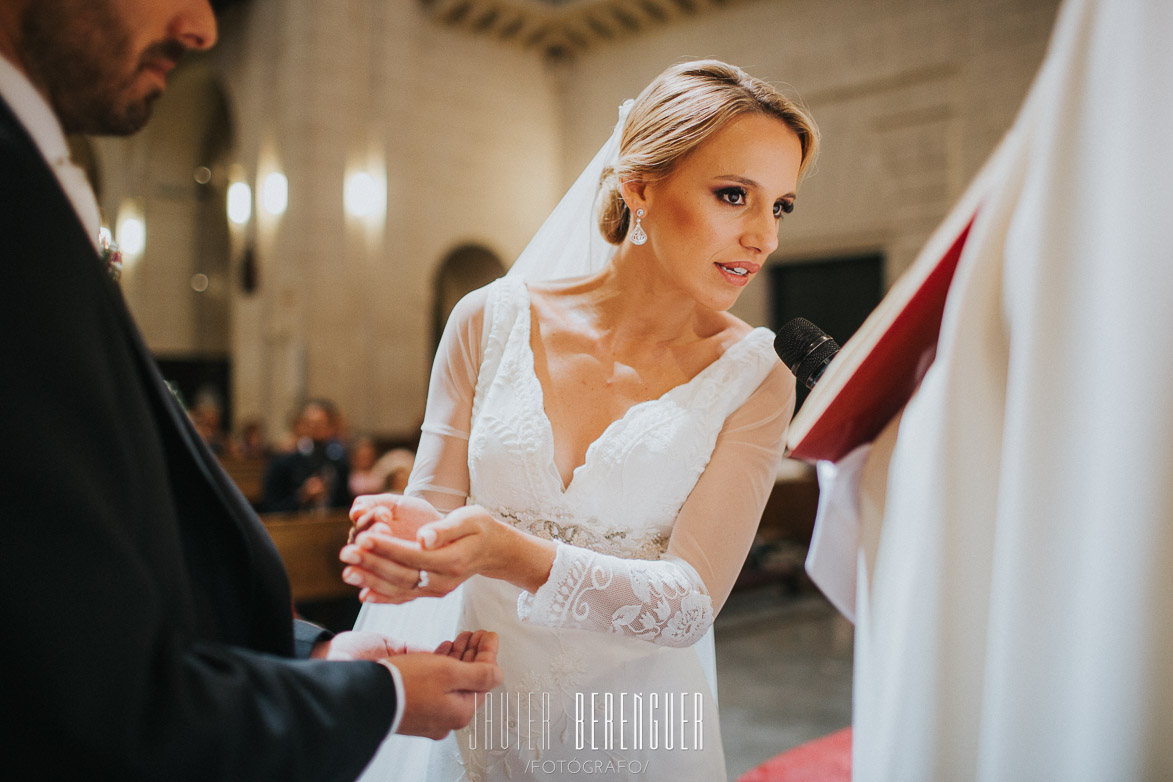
876 372
881 379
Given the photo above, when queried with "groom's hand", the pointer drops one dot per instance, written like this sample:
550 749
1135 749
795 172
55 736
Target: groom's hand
479 646
441 689
361 645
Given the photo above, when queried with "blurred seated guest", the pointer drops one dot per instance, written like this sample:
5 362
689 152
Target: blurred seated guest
365 477
315 474
395 466
250 442
374 474
208 421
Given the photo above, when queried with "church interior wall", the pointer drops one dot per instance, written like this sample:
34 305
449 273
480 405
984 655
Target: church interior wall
474 140
910 97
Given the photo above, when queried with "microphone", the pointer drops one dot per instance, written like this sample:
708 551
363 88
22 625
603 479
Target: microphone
806 349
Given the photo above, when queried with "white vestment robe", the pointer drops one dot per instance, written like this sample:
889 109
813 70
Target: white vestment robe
1018 622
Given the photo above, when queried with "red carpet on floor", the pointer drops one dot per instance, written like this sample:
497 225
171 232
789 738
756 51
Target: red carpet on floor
827 759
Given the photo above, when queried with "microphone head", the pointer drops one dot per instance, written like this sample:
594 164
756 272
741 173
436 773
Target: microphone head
806 349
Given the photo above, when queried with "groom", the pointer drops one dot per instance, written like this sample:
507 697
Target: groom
149 632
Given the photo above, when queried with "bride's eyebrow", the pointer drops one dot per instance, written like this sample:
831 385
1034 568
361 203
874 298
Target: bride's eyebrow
739 179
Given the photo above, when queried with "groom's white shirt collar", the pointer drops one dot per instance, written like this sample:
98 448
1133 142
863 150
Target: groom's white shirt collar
33 111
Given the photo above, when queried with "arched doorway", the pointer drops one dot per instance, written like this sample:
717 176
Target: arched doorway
465 269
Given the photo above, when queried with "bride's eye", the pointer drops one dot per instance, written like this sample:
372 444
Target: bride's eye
783 208
734 196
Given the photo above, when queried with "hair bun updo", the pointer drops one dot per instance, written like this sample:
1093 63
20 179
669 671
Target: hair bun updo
675 114
614 216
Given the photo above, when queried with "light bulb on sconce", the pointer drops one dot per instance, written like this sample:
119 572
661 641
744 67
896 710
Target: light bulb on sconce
240 202
132 235
130 230
365 196
275 193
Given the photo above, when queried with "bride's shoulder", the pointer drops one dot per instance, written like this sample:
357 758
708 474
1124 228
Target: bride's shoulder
756 345
468 315
555 301
562 290
489 308
484 297
471 305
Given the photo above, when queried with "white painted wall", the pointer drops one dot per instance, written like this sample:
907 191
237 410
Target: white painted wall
910 96
477 139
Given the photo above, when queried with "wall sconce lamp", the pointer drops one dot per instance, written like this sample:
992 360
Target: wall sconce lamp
130 230
365 196
275 193
240 203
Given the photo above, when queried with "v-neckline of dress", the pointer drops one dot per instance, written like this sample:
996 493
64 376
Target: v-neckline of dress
562 485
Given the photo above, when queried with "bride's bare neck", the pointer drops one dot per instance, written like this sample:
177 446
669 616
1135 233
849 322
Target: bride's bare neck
629 305
612 340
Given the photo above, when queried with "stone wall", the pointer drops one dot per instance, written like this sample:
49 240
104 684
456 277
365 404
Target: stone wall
910 97
476 139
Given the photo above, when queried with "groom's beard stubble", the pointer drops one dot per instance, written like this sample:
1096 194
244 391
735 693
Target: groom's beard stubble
77 52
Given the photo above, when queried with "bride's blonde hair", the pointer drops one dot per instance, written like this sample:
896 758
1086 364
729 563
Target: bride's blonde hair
677 112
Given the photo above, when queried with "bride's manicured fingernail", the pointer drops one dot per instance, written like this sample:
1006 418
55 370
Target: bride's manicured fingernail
350 556
351 577
427 537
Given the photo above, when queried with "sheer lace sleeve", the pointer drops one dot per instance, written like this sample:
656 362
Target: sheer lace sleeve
440 474
673 600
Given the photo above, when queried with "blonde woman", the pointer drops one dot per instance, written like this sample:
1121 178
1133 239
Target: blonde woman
597 450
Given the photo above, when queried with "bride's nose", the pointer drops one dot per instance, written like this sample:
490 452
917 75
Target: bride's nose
760 232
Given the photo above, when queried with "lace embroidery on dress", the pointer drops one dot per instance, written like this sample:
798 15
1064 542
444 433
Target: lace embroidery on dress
608 577
589 534
659 601
502 737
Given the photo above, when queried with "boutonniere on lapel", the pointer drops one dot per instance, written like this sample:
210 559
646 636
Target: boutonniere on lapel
110 254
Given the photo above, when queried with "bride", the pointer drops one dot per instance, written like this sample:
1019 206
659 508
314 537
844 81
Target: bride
597 451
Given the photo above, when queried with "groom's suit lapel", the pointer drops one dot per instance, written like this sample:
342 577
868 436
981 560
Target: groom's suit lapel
106 287
181 440
265 619
262 563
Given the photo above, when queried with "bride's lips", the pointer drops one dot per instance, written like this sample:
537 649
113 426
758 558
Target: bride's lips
738 272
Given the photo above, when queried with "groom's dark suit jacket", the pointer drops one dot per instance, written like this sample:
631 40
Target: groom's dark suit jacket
148 631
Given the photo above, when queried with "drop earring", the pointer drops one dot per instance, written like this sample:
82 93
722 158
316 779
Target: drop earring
638 236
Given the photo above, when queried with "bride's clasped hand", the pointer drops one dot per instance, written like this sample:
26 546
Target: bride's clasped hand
396 540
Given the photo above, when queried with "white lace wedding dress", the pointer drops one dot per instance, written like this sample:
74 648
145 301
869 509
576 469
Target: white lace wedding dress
609 667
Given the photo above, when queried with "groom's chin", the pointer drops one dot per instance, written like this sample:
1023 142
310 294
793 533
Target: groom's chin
110 118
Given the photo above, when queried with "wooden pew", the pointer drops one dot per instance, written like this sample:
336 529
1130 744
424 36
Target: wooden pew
309 542
248 475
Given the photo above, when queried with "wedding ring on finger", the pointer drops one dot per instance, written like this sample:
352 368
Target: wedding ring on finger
422 581
354 529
